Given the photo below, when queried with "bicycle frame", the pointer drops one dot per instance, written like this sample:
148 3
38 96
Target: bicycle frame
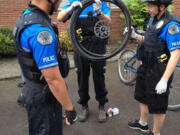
130 67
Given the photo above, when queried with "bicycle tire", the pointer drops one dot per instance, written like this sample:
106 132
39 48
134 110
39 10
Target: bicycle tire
174 97
126 76
75 40
178 66
174 107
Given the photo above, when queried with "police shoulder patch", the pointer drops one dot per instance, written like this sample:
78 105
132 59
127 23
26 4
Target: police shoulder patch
44 38
173 29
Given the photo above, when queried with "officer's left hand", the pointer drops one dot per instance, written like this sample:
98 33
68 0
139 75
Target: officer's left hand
161 87
97 7
73 6
133 33
71 117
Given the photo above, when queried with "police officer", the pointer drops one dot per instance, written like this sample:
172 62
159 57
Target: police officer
159 52
88 18
36 45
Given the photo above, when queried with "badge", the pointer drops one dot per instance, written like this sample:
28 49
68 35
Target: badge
159 24
173 29
44 38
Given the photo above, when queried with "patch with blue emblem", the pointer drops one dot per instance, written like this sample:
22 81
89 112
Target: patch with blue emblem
44 38
173 29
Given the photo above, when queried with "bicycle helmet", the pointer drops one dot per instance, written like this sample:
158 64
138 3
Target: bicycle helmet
159 2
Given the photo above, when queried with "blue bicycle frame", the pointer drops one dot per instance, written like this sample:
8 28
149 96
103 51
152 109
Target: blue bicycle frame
130 67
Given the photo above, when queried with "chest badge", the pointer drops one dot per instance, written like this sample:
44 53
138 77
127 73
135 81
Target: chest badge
159 24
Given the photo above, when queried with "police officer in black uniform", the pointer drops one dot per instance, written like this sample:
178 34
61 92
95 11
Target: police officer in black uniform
37 49
87 20
159 52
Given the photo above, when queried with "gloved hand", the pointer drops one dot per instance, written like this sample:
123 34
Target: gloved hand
133 33
74 5
71 116
97 7
161 86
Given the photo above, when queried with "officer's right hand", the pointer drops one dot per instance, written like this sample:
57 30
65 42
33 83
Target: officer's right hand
161 86
71 117
97 7
74 5
133 33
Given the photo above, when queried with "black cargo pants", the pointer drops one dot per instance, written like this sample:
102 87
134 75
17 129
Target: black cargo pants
44 113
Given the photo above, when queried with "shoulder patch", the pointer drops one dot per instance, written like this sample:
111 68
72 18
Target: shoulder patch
173 29
44 38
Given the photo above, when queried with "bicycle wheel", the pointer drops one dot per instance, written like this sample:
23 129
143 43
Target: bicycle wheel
174 97
127 66
178 66
86 37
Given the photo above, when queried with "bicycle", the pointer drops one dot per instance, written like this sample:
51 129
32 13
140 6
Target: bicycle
128 64
102 30
174 97
127 67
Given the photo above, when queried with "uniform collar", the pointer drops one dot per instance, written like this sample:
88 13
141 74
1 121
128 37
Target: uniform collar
164 15
34 8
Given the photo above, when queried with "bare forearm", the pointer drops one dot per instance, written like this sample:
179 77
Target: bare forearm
59 90
104 17
62 15
171 64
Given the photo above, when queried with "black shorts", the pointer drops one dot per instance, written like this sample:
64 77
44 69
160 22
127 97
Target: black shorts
146 81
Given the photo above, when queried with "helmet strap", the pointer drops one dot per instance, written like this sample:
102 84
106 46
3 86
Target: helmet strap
52 6
159 11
